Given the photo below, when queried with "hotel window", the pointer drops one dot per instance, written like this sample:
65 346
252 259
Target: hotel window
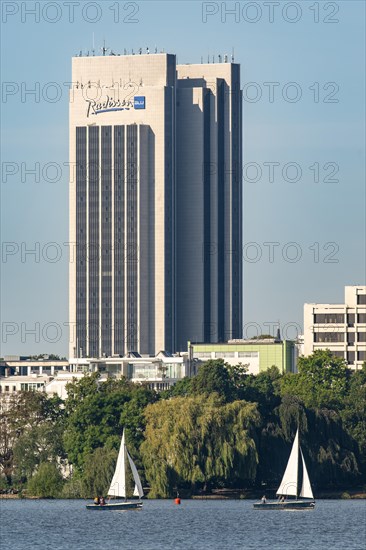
351 319
361 337
339 354
361 318
328 337
351 336
350 357
361 299
328 318
361 355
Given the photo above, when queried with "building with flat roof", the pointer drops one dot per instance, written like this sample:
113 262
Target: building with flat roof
158 372
155 204
341 328
258 354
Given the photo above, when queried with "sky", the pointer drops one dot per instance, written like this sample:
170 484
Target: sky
303 81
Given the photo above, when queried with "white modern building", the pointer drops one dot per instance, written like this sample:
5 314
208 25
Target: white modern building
159 372
338 327
155 204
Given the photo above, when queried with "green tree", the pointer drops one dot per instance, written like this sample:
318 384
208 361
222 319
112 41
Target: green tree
214 377
22 416
98 411
47 482
98 472
354 411
39 443
322 380
199 441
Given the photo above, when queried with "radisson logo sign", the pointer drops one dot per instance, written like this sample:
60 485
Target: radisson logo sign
110 104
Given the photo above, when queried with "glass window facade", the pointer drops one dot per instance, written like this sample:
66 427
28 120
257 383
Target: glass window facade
81 242
328 318
94 242
329 337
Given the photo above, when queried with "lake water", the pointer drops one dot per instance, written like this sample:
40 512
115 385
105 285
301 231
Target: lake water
195 524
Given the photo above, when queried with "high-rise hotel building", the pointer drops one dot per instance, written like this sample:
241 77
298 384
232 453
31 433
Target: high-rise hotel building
155 204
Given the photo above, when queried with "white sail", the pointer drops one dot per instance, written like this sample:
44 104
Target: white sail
306 491
118 484
288 484
138 487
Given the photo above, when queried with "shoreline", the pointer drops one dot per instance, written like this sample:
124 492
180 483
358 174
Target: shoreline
222 495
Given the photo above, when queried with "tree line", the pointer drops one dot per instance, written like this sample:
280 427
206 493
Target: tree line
222 428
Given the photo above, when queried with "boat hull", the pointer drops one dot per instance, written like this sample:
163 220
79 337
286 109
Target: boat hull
137 505
289 505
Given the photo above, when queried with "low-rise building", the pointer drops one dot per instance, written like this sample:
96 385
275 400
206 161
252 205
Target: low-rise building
26 365
159 372
258 354
15 383
338 327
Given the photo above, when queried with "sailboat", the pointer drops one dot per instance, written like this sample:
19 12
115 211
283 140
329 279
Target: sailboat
290 485
117 488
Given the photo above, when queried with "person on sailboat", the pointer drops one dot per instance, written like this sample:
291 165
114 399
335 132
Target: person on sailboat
264 500
102 501
96 500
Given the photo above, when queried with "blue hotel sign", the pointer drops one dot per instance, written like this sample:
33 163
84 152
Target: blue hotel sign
139 102
110 104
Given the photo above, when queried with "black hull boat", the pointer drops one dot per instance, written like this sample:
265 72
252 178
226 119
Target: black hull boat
116 506
290 505
291 486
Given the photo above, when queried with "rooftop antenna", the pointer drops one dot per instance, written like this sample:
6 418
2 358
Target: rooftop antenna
104 48
219 58
140 51
125 51
225 58
133 53
208 58
201 59
147 49
93 50
156 49
232 56
213 59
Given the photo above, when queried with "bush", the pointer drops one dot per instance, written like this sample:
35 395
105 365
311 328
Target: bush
73 488
47 482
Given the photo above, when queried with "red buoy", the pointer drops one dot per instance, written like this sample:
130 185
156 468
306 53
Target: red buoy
177 500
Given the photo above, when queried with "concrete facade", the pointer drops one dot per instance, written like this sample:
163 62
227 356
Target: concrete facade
209 203
338 327
155 204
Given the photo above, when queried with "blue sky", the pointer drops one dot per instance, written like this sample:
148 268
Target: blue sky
319 59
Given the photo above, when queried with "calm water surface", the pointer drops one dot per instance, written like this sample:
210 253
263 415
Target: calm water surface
195 524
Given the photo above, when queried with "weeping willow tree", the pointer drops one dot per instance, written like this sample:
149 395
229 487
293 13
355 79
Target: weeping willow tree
197 442
98 472
330 453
